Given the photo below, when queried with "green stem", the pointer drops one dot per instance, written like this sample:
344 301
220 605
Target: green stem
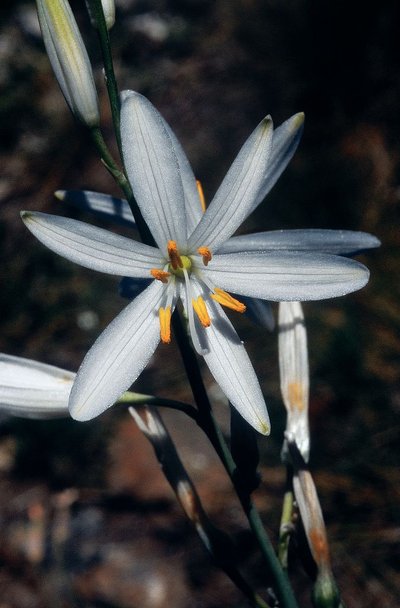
136 399
286 528
281 582
111 82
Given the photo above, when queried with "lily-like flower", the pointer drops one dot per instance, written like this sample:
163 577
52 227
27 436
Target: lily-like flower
187 264
32 389
69 59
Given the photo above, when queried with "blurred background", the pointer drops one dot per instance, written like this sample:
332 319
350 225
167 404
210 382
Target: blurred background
86 519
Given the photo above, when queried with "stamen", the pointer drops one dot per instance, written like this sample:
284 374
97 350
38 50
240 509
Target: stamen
227 300
201 311
173 255
206 253
165 324
201 195
160 275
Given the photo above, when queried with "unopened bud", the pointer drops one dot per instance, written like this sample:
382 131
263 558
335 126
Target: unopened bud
294 375
69 59
108 10
325 592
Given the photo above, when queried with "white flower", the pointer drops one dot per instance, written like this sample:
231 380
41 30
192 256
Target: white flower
32 389
69 59
187 264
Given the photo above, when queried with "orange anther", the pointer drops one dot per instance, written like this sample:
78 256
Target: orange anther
206 253
201 311
160 275
165 324
173 255
227 300
201 195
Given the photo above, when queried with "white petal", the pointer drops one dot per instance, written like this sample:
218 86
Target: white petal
118 356
153 170
238 192
32 389
230 365
286 276
294 375
100 204
339 242
285 140
193 208
93 247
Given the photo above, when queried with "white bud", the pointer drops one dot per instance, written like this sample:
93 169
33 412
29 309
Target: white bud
69 59
108 10
293 366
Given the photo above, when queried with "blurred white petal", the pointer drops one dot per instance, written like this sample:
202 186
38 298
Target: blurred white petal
33 390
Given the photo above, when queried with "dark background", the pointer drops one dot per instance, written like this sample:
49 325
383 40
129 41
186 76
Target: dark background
85 517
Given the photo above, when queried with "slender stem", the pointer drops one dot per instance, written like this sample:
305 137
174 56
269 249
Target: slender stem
286 528
281 582
111 82
137 399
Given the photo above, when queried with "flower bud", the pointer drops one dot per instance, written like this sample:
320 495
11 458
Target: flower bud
108 10
69 59
294 375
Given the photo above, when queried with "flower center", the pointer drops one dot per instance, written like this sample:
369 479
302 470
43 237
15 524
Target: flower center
186 265
181 266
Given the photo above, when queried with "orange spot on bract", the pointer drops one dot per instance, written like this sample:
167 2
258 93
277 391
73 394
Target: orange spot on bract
319 546
296 395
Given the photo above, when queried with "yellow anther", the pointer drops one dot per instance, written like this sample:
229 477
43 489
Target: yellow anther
165 324
201 195
160 275
201 311
206 253
227 300
173 255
